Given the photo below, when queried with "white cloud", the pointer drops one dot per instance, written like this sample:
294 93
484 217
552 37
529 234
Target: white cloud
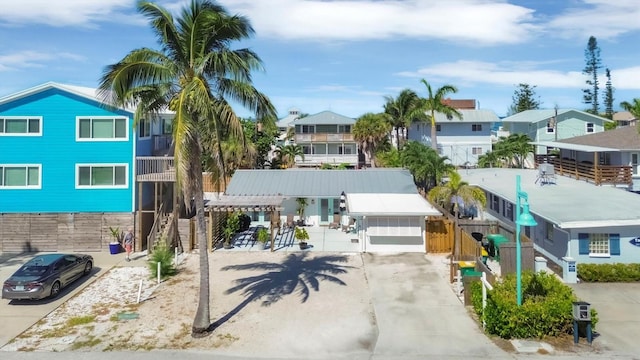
476 21
600 18
626 78
465 72
33 59
62 12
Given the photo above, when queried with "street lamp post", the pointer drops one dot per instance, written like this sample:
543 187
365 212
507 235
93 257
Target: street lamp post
522 219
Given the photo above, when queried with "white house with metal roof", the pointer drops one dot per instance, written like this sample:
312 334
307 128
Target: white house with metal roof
389 212
461 140
326 137
553 124
576 219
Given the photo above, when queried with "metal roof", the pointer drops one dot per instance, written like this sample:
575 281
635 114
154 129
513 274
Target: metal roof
569 203
325 118
622 138
534 116
320 183
577 147
476 116
389 205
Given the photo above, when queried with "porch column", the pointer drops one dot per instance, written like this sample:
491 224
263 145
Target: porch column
596 170
138 244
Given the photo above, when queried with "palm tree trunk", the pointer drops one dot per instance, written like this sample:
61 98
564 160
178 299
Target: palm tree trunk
434 140
397 138
372 159
202 320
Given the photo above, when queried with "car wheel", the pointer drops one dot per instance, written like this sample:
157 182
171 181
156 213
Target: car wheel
55 289
87 268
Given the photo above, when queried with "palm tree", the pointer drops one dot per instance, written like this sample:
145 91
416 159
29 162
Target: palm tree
436 102
402 111
287 154
489 160
514 149
369 131
193 74
456 192
425 164
632 107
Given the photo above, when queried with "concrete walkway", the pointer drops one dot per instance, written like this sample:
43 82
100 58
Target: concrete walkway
418 314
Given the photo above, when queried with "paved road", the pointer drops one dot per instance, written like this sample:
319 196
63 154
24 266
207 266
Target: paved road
18 316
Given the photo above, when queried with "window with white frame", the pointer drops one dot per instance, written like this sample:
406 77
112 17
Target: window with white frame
549 228
20 176
598 244
105 176
590 127
167 126
476 127
144 128
102 128
21 126
634 163
476 151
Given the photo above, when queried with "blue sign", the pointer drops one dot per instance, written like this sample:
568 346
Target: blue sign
635 241
572 266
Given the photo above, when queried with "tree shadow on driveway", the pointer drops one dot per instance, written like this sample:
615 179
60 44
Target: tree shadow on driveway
298 274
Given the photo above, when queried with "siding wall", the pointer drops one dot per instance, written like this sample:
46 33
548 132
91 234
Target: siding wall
456 140
58 152
63 232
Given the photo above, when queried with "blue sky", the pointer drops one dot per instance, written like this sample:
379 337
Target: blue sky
346 55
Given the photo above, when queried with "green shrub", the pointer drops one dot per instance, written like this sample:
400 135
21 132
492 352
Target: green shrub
162 254
615 272
546 310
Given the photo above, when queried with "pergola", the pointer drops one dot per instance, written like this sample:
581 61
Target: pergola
228 203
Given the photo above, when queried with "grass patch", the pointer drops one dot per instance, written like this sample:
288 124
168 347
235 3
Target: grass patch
91 342
80 320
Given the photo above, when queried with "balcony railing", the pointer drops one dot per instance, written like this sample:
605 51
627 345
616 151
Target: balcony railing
155 168
307 138
599 175
316 160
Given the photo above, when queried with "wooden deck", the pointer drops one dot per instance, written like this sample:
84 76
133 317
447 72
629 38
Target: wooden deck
155 169
597 174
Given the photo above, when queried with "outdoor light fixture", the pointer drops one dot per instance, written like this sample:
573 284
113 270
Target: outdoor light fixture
523 218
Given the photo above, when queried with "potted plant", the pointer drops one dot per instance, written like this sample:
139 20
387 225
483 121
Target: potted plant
302 235
302 205
231 226
115 246
262 235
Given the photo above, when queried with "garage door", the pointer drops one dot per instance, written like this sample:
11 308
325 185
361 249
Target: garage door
396 234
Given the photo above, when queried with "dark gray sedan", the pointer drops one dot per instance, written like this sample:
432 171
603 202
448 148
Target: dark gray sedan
45 275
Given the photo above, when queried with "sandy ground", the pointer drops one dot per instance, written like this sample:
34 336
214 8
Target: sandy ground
256 299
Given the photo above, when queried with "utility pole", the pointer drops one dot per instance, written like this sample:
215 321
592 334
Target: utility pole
555 122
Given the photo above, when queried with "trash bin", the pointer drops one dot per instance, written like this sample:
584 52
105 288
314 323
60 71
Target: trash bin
467 267
114 248
494 245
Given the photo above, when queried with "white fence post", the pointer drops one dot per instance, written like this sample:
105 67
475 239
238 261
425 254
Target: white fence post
485 285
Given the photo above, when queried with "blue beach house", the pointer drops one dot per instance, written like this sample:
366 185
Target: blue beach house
68 169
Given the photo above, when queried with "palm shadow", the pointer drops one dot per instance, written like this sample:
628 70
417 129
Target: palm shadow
298 274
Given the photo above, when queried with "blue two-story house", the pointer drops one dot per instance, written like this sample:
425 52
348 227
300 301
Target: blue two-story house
461 140
67 169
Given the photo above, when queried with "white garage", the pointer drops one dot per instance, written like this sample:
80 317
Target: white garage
390 222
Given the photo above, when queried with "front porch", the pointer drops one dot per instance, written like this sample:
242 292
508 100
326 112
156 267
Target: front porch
321 238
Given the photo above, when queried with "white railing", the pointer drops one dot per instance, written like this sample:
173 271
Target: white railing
155 168
336 159
485 285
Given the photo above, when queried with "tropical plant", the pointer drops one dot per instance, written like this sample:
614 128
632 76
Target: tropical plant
389 158
162 255
401 112
514 149
231 227
302 205
424 163
457 192
116 234
489 160
262 235
369 131
193 75
287 154
301 234
436 102
633 107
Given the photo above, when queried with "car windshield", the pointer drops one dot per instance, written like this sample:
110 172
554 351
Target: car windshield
32 269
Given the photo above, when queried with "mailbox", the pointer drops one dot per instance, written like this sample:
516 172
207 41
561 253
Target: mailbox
581 311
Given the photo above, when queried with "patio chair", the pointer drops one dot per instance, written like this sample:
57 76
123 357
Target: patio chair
336 222
350 227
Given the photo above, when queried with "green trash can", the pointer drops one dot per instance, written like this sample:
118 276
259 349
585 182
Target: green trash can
495 240
467 267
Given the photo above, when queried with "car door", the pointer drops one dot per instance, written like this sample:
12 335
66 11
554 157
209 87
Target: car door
75 266
65 270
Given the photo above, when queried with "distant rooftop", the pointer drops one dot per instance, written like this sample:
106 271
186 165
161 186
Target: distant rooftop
325 118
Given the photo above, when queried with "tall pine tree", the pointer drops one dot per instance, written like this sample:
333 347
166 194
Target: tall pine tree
592 65
524 98
608 96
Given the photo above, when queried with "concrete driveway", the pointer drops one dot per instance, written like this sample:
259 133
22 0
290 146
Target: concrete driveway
619 319
18 316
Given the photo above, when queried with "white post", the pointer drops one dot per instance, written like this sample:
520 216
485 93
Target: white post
159 272
485 285
458 279
139 292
